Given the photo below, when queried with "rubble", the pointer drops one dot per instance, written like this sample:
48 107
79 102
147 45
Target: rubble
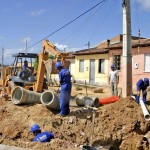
116 126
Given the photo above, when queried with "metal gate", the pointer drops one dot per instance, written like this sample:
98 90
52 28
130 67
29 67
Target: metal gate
92 71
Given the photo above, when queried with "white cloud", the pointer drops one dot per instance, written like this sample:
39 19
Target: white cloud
74 49
145 4
61 46
37 12
8 59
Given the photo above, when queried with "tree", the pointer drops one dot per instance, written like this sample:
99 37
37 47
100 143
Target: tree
35 64
51 57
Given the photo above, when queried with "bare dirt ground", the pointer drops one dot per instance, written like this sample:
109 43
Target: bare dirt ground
113 125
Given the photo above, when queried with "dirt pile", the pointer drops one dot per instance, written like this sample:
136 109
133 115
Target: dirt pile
114 126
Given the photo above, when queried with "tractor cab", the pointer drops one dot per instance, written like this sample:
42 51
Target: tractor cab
22 69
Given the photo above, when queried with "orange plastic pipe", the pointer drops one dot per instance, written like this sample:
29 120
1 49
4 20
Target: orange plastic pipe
108 100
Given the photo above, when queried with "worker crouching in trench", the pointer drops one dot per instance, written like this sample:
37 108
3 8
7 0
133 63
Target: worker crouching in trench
41 136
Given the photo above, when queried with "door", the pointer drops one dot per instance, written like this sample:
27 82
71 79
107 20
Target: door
92 71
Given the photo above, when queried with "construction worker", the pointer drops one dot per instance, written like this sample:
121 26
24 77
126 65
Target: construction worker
26 72
65 83
41 136
142 85
25 66
114 80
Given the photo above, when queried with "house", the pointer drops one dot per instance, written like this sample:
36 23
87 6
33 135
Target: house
93 65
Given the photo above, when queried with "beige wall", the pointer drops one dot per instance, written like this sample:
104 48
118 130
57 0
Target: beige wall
100 78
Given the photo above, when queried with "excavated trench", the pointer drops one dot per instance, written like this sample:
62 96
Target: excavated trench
119 125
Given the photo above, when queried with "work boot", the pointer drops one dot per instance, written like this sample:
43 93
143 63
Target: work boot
61 115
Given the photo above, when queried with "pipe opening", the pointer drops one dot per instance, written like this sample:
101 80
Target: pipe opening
17 95
147 117
89 101
47 97
86 147
96 102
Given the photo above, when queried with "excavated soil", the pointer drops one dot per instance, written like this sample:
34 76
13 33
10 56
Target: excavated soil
114 126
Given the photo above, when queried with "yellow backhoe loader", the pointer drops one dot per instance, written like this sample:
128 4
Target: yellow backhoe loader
31 79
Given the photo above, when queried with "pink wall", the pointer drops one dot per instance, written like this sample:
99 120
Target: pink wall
138 58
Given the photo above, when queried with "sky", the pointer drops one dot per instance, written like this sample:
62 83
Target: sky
35 20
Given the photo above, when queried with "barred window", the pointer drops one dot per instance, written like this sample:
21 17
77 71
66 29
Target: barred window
101 67
117 61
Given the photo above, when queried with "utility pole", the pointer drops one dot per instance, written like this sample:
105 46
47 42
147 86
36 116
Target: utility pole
139 41
2 71
26 46
127 51
88 44
64 49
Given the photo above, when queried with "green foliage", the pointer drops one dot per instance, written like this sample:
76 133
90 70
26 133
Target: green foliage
35 64
51 57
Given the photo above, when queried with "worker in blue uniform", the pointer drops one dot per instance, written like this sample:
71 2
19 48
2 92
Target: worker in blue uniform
26 72
66 85
142 85
25 66
41 136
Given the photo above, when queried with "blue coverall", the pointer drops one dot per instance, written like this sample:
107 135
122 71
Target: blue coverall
142 86
65 82
43 137
25 66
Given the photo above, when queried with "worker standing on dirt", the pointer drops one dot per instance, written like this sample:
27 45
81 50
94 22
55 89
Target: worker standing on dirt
65 83
142 85
114 80
41 136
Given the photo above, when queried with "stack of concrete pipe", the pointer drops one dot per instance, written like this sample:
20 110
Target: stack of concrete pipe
48 98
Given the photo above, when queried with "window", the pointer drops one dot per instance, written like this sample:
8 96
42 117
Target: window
101 66
147 62
117 61
81 66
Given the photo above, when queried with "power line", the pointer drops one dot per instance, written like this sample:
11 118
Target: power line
137 16
64 25
83 26
103 18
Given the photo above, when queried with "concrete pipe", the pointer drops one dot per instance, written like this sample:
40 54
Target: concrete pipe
145 111
82 100
22 96
50 99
